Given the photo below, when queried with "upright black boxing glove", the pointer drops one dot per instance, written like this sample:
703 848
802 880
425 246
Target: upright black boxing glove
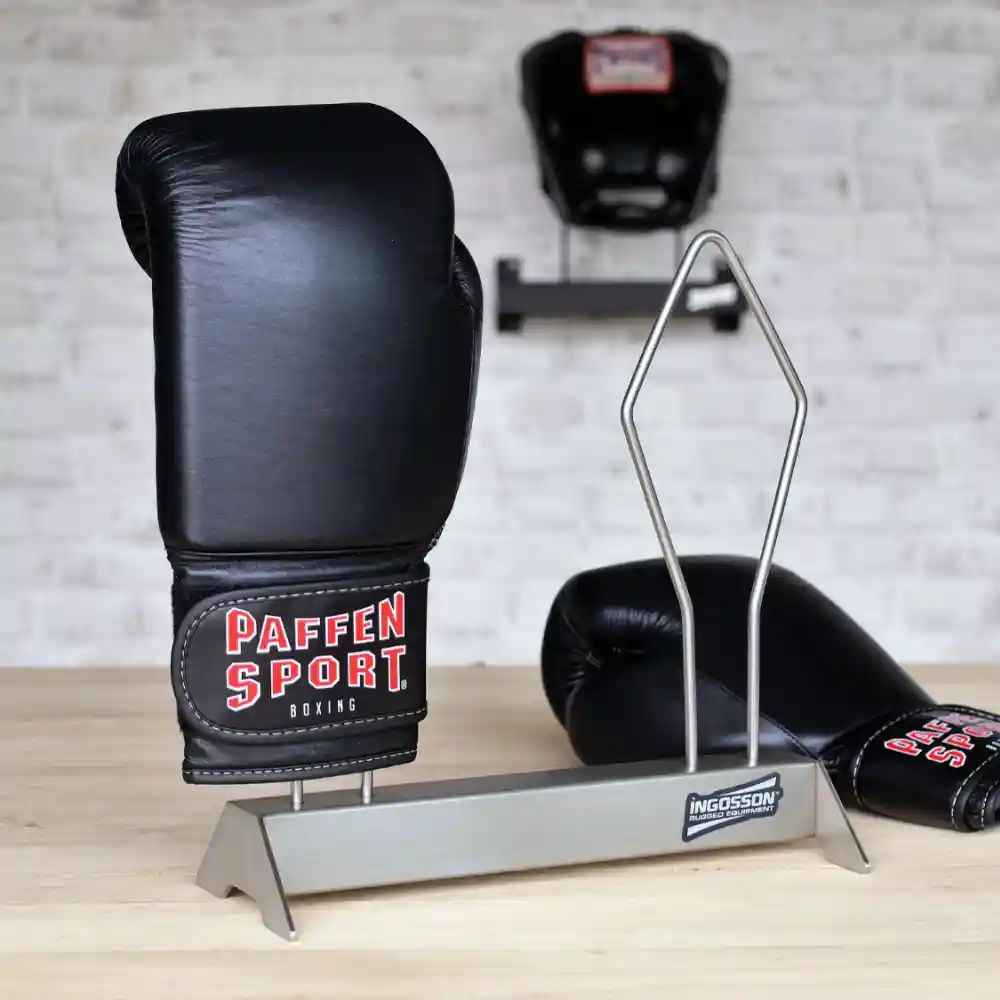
317 335
611 669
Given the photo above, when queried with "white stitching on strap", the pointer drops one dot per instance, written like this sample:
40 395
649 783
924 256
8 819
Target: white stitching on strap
936 710
958 791
304 767
285 732
986 799
965 710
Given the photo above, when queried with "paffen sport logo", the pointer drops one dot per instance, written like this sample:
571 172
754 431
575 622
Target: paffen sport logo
330 663
728 806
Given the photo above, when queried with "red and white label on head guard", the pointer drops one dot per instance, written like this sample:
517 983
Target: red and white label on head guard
627 64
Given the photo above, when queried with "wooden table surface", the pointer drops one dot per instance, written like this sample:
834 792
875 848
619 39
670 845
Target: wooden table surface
100 841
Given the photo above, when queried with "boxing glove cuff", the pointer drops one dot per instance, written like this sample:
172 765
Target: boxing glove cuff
306 680
936 766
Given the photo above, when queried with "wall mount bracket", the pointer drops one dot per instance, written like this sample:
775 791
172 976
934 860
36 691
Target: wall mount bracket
719 299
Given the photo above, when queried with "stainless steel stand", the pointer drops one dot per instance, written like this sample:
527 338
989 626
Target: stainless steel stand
275 848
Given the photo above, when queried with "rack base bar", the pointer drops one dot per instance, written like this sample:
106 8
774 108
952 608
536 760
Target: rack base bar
507 823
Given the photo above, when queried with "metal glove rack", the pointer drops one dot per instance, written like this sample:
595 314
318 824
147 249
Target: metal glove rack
275 848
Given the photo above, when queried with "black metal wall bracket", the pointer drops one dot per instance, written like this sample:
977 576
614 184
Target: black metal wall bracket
719 300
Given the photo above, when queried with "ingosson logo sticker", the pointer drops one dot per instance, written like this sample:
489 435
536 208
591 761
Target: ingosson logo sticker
756 799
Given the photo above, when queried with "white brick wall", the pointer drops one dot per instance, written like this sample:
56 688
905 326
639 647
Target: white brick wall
859 183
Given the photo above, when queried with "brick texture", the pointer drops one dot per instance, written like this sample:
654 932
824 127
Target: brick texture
858 182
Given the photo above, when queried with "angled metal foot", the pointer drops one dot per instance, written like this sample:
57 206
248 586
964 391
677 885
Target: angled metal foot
834 831
239 856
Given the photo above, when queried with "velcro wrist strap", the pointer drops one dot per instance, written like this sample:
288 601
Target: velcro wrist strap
299 662
937 766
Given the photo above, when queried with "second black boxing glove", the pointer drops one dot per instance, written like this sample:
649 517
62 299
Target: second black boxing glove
611 668
317 339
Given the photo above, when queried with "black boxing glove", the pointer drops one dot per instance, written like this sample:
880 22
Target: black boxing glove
612 672
317 335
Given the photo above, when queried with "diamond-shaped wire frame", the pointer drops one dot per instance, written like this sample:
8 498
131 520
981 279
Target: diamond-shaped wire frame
656 510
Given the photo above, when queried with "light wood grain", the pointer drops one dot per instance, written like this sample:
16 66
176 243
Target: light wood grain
100 839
